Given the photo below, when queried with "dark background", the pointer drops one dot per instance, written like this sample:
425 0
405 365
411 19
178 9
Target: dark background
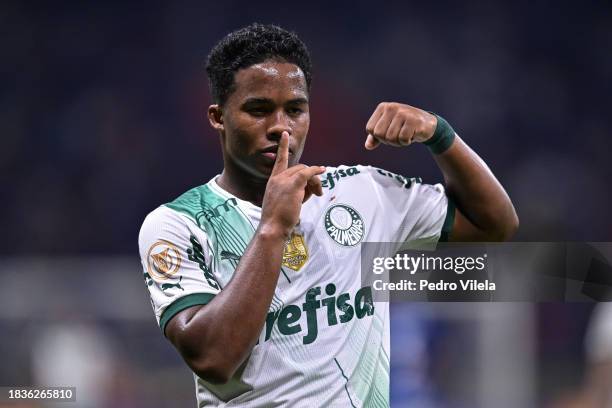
102 119
102 107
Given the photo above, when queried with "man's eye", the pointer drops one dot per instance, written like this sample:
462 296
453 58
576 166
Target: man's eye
257 111
295 111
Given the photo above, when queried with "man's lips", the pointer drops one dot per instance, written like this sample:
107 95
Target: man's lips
271 151
269 155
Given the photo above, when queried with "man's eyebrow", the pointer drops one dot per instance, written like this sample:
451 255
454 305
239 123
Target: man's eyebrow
255 100
298 101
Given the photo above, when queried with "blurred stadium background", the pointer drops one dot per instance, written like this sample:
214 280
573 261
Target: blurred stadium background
102 117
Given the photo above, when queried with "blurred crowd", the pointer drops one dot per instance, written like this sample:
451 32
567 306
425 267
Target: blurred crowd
102 106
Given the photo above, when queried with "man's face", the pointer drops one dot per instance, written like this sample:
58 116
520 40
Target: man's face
269 98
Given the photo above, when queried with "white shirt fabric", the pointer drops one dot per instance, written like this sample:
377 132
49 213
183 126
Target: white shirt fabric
325 342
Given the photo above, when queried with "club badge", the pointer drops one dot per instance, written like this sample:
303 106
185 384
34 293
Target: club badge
295 253
344 225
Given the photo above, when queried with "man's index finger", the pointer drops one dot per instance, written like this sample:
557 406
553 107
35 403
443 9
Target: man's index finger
282 154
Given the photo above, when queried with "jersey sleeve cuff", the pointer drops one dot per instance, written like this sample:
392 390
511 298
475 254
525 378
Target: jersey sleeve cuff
447 227
181 304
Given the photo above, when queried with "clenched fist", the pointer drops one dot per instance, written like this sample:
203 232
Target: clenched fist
397 124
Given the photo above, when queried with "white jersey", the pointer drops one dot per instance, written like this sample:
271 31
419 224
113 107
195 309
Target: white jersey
325 342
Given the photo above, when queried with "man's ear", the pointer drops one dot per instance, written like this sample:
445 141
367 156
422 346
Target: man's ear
215 117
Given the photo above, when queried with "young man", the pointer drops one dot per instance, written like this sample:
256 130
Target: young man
255 276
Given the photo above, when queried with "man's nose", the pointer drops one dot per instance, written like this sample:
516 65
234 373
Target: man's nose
280 123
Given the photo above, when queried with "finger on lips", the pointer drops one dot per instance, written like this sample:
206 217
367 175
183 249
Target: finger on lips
282 154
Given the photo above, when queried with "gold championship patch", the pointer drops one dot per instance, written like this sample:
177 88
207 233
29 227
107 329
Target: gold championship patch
163 260
295 253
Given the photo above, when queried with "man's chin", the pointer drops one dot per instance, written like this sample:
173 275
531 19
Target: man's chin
263 171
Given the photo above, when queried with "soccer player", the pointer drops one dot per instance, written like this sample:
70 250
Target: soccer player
255 276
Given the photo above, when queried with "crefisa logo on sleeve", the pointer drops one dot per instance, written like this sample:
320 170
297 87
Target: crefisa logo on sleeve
344 224
163 260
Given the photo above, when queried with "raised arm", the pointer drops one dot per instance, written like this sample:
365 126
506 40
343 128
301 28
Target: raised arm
484 210
215 339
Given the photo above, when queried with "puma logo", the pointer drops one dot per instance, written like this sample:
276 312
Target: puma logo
173 285
229 255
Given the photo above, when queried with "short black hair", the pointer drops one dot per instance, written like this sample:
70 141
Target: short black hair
252 45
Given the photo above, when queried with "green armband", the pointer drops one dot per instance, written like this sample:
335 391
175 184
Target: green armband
442 138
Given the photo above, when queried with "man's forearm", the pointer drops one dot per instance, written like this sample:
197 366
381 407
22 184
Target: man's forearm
485 212
215 339
476 192
230 324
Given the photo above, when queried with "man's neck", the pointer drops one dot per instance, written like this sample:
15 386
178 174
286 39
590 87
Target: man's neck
244 186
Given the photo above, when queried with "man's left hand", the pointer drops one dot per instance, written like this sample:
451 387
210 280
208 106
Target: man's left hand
397 124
